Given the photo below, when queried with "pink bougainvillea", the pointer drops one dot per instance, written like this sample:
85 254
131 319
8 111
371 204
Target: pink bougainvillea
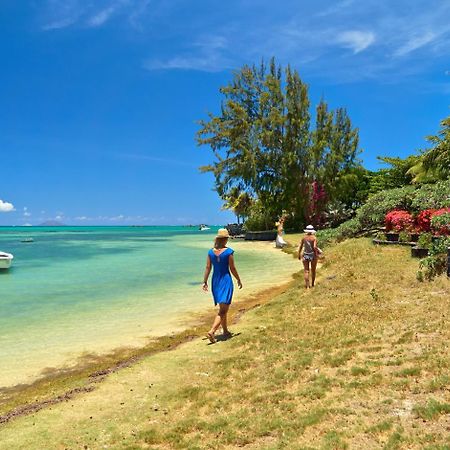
398 220
317 200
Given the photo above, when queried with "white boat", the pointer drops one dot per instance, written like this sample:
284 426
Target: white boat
5 260
203 228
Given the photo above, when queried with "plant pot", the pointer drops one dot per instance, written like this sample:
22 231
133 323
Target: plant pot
419 252
414 237
392 237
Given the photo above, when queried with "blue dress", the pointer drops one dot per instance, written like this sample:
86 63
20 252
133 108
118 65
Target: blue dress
222 284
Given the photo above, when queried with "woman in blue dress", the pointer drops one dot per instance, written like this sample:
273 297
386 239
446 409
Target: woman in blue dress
222 260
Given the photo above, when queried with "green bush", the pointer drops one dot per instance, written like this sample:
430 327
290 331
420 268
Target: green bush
440 246
259 220
431 267
349 229
431 196
424 240
441 223
372 213
327 236
403 236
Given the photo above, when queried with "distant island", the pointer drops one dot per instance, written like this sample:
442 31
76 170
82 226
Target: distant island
51 223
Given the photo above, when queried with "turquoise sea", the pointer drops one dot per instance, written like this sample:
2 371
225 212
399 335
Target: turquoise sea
81 290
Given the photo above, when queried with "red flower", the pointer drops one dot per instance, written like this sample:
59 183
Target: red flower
398 220
424 219
425 216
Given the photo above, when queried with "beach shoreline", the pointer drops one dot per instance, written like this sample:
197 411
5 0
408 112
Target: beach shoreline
56 385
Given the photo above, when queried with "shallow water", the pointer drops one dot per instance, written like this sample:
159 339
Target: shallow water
78 290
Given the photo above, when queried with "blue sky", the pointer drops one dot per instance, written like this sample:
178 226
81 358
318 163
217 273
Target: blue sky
99 99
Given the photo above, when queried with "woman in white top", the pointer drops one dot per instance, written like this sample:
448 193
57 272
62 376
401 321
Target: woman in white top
308 252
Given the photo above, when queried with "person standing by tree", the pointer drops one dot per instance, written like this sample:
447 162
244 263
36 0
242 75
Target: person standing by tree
222 260
308 253
280 242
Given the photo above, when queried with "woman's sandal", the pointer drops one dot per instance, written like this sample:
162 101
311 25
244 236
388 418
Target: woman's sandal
211 337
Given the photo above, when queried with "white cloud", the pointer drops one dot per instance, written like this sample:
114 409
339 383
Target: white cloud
355 40
207 54
59 24
117 218
415 43
102 17
6 207
26 213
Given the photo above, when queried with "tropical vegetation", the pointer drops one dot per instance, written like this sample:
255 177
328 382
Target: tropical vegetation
274 156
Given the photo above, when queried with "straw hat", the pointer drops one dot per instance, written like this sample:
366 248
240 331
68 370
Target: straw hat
310 229
222 233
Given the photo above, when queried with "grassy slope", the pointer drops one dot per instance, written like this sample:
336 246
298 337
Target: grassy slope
361 361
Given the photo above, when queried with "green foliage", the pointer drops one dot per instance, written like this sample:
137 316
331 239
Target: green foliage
437 159
327 236
239 202
441 223
335 213
349 229
403 236
395 176
432 267
440 246
373 212
432 409
264 144
259 219
431 196
425 240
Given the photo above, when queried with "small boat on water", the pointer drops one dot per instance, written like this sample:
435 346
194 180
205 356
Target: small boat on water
203 227
5 260
27 240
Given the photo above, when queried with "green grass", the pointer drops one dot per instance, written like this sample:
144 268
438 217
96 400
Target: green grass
329 368
432 409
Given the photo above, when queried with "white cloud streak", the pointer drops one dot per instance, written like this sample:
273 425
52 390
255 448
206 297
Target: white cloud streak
378 36
355 40
415 43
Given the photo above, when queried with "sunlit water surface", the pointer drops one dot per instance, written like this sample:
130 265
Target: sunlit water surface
78 290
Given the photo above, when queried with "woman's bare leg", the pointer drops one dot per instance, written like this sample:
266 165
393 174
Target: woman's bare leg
218 320
306 273
313 271
224 321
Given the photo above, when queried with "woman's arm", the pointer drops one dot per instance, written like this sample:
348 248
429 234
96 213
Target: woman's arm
300 250
207 272
234 271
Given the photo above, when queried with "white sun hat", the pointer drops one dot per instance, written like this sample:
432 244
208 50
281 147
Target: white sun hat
310 229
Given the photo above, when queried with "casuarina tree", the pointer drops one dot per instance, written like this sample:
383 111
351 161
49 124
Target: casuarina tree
265 145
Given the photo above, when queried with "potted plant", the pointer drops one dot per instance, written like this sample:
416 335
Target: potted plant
422 247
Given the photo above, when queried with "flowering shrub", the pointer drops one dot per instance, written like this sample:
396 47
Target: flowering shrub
398 220
440 221
423 220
